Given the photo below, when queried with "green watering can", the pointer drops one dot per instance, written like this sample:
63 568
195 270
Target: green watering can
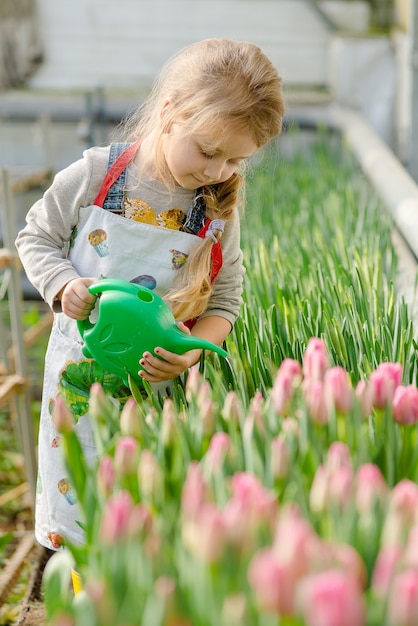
131 320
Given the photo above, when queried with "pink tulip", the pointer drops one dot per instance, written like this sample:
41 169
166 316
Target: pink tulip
168 423
318 494
231 410
384 569
106 475
251 506
130 420
280 457
290 427
194 491
205 535
272 583
115 524
255 499
403 599
255 412
150 476
404 499
296 544
287 379
371 488
340 487
333 482
193 382
364 393
126 456
315 360
314 394
331 598
219 447
405 405
338 456
384 380
346 558
338 390
99 404
62 416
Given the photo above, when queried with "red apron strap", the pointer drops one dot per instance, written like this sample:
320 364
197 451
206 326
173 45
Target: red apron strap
216 263
216 253
113 173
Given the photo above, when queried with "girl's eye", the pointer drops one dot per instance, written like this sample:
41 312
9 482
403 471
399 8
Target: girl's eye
207 155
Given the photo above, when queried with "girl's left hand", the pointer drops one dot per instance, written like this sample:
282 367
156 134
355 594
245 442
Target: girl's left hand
167 365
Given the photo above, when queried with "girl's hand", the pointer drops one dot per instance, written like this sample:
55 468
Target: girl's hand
76 299
169 365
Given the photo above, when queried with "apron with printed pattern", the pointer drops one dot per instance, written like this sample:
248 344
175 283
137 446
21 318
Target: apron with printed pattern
105 245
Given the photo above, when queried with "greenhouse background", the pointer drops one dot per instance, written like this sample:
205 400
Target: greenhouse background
334 263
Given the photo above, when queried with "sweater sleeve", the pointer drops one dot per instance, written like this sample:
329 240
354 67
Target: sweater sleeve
226 297
42 244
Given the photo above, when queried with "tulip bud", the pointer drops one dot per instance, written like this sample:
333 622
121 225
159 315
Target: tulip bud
338 390
115 524
315 360
150 476
193 383
384 569
338 456
280 457
405 405
384 380
168 425
404 499
349 560
207 415
99 403
287 379
130 420
219 446
365 395
205 535
315 401
62 416
106 475
272 583
194 490
231 410
331 598
371 487
126 456
403 599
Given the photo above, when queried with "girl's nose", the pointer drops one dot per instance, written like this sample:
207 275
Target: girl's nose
214 169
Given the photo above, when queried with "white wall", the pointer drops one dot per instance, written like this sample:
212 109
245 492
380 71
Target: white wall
123 43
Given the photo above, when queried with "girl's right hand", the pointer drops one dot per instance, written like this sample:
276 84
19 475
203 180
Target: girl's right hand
76 299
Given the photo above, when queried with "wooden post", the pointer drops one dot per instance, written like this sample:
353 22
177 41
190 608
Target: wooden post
21 395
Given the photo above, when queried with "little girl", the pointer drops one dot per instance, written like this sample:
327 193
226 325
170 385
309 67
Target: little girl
158 208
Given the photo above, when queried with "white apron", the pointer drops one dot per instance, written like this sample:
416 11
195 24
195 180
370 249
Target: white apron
107 246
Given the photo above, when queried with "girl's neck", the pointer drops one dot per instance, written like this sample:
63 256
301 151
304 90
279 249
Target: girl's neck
144 159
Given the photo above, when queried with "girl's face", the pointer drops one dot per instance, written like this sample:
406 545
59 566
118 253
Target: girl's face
197 160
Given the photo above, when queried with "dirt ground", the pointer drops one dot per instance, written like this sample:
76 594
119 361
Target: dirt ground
33 611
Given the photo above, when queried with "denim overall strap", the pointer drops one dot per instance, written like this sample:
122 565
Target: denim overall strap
110 196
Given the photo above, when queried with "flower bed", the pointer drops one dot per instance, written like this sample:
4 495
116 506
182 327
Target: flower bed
278 487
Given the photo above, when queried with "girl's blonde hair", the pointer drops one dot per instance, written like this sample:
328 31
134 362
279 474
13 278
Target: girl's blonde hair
216 84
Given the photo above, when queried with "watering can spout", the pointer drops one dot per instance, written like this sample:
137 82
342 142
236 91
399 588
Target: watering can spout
132 320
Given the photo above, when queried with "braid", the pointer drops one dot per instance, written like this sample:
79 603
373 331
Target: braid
192 291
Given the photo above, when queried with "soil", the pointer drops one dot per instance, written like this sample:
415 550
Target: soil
33 610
